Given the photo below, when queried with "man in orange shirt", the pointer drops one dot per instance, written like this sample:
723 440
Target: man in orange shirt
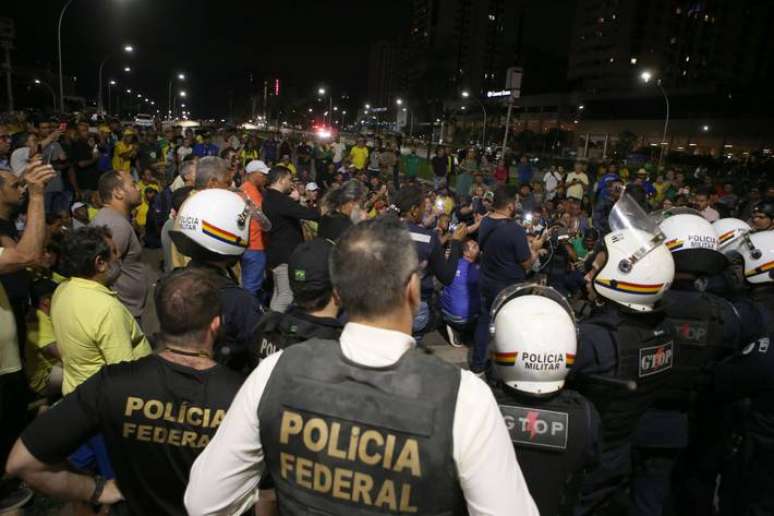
253 261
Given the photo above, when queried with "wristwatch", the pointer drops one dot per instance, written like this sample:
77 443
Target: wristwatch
99 486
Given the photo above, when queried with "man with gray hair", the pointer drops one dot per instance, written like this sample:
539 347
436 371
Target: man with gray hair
187 173
212 172
366 423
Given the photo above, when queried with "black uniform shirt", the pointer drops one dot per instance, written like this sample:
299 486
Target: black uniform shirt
277 331
156 417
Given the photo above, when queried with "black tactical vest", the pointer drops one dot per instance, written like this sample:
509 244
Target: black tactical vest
645 348
700 328
278 330
554 440
343 438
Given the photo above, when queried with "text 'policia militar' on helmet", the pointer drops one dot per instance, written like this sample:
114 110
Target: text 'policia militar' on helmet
638 267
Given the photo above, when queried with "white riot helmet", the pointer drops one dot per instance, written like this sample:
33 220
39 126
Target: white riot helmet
638 267
691 239
759 257
534 338
731 234
215 221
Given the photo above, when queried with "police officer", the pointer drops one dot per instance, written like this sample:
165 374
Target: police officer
627 342
763 215
432 258
367 424
314 309
708 329
156 413
555 431
213 228
746 485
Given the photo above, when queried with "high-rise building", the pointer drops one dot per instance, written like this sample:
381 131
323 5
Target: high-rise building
461 44
381 73
687 44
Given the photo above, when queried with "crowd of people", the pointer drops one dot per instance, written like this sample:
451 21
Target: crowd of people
616 318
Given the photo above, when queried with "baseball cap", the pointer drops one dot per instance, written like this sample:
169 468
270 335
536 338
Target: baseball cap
257 165
75 206
312 186
308 267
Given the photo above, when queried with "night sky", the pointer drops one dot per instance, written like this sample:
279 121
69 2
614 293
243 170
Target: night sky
221 44
218 44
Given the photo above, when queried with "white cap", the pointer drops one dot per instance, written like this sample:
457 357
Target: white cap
75 206
257 165
312 187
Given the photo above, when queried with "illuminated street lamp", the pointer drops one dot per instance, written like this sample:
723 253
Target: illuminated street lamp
50 90
128 49
646 77
111 83
399 102
466 94
180 77
127 69
322 91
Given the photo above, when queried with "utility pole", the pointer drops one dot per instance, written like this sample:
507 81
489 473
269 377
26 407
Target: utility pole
265 100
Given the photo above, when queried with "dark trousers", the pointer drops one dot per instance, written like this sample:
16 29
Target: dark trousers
14 396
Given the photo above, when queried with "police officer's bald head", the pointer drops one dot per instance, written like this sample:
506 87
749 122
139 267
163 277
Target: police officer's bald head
371 267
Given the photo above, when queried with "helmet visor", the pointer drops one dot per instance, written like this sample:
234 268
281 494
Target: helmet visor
628 215
661 215
527 289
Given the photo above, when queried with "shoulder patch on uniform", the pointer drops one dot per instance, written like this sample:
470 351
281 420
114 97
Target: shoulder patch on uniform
656 359
420 237
763 345
539 428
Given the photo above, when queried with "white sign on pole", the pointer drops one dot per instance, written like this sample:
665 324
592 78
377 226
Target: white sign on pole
513 78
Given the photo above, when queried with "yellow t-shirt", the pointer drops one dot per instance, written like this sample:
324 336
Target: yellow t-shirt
359 156
118 162
141 215
447 202
40 334
92 329
661 190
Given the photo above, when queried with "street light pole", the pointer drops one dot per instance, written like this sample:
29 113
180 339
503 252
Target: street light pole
664 142
181 77
50 90
483 129
466 94
59 46
128 49
646 76
110 100
99 85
